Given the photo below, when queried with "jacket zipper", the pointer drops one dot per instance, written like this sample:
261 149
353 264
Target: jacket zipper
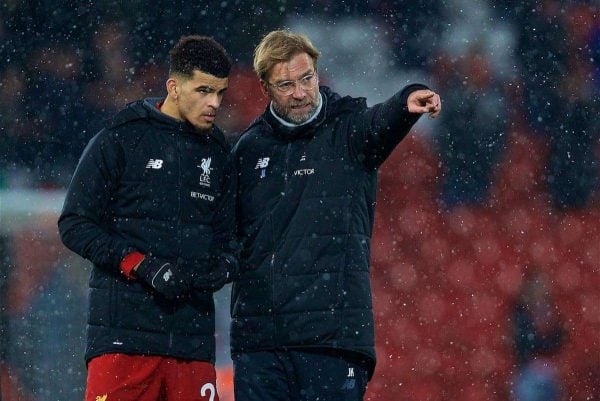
179 217
180 193
276 334
273 269
287 162
285 189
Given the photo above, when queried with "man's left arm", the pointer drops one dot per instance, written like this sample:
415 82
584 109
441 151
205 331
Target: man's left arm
377 130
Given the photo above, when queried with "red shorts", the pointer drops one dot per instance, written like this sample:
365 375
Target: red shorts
121 377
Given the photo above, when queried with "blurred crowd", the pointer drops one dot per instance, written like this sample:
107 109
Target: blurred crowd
67 68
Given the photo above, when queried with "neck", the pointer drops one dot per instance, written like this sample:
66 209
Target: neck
170 108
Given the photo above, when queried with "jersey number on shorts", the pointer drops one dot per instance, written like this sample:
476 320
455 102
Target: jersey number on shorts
206 388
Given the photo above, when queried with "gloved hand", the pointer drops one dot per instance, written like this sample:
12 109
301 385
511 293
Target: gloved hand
165 277
224 268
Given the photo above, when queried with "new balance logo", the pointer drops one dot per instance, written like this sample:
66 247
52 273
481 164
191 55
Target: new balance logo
154 163
262 163
102 397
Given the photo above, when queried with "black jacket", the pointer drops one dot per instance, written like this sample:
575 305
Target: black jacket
306 199
149 182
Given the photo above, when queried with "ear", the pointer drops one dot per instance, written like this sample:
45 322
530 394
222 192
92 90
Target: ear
171 85
264 88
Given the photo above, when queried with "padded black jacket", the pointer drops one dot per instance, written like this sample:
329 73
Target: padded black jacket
306 200
151 183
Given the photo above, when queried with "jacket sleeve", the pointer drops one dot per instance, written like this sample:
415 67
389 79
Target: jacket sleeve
375 131
83 221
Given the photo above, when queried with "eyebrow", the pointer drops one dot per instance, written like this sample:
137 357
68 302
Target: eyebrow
210 88
301 76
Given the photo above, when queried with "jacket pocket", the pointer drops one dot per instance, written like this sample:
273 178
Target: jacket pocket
138 309
258 243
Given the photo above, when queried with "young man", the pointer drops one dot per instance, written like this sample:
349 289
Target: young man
149 205
302 319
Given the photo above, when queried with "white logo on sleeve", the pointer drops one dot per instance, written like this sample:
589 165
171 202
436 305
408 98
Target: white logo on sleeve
154 164
206 169
262 163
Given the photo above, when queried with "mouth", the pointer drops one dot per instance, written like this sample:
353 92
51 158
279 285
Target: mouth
300 106
209 117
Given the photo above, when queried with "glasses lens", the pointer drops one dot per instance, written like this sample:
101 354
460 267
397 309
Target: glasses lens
287 88
308 82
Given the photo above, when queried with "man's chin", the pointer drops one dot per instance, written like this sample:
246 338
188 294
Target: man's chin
203 128
300 118
204 124
296 119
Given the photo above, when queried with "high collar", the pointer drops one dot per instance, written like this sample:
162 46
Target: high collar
292 125
295 131
153 112
149 108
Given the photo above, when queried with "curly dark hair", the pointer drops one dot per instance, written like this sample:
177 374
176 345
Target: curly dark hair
202 53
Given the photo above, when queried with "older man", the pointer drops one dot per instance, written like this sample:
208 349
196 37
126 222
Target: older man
302 325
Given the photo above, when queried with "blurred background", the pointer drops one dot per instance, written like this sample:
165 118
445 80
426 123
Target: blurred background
486 249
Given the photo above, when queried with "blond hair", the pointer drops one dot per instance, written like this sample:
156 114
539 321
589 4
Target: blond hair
280 46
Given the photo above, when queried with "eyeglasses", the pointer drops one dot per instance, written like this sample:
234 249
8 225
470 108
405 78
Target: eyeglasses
286 88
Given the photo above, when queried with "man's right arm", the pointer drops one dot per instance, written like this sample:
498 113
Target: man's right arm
377 130
82 223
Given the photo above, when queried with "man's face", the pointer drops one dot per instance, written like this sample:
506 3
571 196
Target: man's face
199 98
299 105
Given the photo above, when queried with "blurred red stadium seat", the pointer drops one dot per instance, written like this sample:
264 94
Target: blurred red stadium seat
448 278
568 276
244 100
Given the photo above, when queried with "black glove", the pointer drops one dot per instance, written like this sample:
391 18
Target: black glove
165 277
224 268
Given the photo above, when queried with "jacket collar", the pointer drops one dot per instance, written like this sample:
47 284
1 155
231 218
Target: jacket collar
333 105
146 109
299 131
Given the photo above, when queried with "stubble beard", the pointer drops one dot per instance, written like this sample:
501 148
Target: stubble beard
202 129
285 111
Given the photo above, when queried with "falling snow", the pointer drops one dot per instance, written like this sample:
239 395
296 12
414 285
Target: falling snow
486 246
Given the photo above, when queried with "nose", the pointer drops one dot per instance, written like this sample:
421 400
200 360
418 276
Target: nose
298 93
214 100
